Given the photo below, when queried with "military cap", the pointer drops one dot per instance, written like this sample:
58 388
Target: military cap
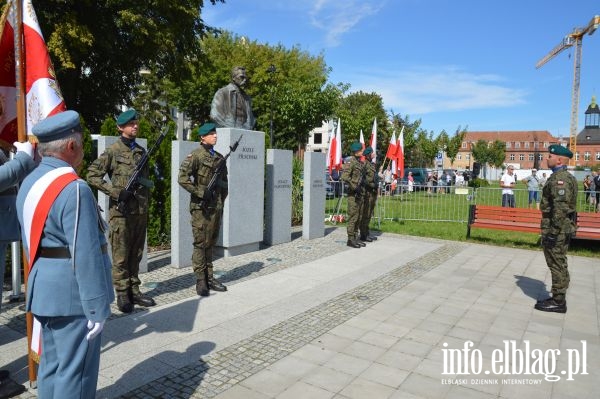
356 146
367 151
127 116
206 129
57 126
558 149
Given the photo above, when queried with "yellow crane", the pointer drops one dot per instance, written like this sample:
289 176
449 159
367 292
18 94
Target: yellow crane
573 39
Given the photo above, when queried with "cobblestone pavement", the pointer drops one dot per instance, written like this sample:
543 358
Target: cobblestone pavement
220 371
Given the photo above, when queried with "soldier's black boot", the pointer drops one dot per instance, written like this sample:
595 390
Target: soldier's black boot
353 244
9 388
141 299
362 244
124 302
366 238
556 305
216 285
202 287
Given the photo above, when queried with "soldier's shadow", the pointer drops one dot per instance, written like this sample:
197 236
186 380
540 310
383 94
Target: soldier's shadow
189 362
531 287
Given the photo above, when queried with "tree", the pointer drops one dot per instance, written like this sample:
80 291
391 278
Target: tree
357 112
99 47
455 143
489 153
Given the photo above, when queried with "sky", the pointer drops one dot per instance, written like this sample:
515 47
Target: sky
450 63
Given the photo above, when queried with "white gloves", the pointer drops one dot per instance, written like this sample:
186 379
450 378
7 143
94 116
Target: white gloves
95 328
25 147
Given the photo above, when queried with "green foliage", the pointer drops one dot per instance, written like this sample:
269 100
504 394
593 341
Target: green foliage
455 143
489 154
297 184
477 182
98 47
357 112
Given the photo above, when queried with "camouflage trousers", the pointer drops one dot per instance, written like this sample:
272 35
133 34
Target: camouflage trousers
205 228
367 212
556 259
355 207
127 239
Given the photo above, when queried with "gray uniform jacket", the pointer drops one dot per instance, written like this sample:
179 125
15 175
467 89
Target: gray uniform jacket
11 173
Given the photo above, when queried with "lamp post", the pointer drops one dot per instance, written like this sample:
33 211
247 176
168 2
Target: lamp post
271 70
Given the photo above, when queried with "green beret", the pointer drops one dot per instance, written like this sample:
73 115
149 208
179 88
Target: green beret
367 151
127 116
206 129
57 127
558 149
356 146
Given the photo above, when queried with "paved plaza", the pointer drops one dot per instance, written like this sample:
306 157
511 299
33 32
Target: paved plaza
405 317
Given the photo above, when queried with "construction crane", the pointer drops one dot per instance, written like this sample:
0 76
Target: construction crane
573 39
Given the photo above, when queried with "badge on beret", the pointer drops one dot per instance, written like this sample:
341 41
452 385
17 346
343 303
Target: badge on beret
561 191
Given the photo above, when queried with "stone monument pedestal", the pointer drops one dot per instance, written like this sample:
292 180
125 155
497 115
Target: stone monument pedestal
242 226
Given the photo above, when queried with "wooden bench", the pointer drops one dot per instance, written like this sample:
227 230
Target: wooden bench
501 218
527 220
588 226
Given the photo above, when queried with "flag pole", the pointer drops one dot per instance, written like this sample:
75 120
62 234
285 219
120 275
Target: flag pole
22 137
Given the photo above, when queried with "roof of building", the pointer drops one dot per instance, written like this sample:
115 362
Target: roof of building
508 135
589 135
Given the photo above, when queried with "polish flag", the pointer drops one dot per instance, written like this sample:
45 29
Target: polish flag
43 96
334 153
400 154
391 151
374 140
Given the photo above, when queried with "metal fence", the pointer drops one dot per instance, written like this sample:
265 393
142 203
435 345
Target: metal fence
442 203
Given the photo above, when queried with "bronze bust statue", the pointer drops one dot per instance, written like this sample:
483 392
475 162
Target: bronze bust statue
231 106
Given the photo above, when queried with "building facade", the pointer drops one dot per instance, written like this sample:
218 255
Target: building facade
522 148
587 147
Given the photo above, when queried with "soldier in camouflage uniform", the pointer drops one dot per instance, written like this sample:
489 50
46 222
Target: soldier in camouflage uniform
558 206
127 230
206 207
354 178
371 184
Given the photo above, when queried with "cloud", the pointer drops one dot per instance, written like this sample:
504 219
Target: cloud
338 17
427 90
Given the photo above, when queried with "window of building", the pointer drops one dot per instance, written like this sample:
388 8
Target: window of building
536 145
517 144
521 157
464 144
508 144
545 144
587 156
531 157
318 138
540 156
512 157
527 144
459 157
577 156
598 156
468 157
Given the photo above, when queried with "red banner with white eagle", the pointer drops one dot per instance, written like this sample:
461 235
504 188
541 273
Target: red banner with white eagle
43 96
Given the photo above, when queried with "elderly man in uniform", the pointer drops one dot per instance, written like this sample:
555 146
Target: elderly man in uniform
354 178
231 106
11 173
69 286
370 195
206 207
127 230
558 206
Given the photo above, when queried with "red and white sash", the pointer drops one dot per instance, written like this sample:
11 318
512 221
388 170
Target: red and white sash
36 207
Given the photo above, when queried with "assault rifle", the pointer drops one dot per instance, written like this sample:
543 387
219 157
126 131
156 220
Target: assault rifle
210 191
359 188
128 193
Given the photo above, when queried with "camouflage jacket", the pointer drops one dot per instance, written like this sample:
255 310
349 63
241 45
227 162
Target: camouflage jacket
118 163
558 204
371 176
195 173
352 175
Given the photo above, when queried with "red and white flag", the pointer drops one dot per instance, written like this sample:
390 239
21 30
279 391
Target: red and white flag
374 140
334 153
400 154
43 96
391 150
